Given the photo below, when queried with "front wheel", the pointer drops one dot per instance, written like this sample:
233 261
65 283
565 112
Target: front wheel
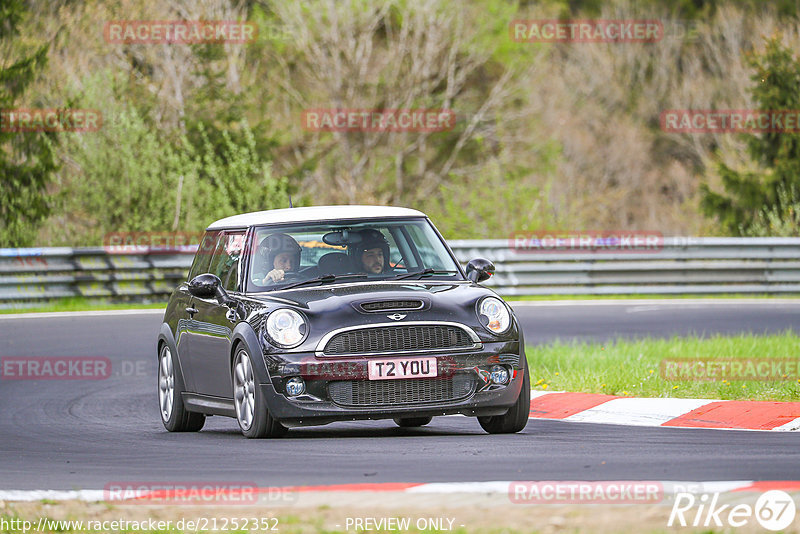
251 408
515 419
170 387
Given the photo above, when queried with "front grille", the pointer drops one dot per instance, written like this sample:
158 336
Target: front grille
398 339
401 391
383 305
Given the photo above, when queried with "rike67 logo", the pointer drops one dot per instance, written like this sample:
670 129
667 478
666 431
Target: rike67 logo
774 510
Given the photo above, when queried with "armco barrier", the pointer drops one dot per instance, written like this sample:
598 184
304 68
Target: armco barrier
683 265
33 275
686 265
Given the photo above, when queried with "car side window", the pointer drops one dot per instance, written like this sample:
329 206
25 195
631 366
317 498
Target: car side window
202 258
225 260
431 257
396 259
401 254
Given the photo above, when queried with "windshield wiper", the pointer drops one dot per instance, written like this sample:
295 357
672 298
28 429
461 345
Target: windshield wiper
424 272
324 279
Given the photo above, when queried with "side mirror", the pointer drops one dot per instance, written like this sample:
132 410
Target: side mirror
479 270
206 286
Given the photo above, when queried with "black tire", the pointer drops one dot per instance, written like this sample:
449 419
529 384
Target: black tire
515 419
174 415
410 422
261 424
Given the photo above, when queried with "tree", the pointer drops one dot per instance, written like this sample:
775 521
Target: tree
26 159
132 176
392 55
775 187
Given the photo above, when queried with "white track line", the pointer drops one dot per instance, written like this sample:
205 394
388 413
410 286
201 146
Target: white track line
638 411
791 425
670 487
76 314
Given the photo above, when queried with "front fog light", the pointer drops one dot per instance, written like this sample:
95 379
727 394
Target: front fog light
295 386
499 374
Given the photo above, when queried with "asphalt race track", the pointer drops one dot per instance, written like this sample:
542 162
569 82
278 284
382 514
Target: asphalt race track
59 434
601 320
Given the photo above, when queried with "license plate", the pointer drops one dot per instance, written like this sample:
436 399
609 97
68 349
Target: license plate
401 368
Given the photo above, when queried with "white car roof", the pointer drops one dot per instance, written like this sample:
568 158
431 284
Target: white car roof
312 214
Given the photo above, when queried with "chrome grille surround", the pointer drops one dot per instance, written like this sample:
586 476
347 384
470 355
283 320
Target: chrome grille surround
370 339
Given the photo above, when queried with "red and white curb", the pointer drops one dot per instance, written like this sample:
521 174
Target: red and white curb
684 413
670 488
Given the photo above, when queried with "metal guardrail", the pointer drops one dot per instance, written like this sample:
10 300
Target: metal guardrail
695 265
679 266
32 275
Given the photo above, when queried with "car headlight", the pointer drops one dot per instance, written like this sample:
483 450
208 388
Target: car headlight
286 328
497 314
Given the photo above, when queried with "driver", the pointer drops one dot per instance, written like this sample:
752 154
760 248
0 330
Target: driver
283 256
372 252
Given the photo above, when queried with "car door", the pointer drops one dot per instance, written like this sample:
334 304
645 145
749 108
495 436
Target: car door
213 323
186 327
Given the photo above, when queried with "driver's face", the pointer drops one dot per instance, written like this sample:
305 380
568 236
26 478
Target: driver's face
372 259
284 261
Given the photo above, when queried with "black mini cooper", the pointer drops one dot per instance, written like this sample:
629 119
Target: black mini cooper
305 316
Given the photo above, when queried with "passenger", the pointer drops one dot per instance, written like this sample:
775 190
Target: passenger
372 252
283 256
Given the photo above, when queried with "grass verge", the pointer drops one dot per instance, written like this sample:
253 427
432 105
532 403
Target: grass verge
82 304
634 367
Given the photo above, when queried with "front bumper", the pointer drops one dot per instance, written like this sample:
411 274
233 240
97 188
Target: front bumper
477 395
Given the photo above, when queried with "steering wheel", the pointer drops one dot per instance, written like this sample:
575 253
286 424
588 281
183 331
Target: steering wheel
267 282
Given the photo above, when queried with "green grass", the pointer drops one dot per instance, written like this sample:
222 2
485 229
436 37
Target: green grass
512 298
632 367
83 304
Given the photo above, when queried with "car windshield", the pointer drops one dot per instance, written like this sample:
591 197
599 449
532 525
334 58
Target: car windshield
312 254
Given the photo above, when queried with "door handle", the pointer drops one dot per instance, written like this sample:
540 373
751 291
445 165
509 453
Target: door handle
191 311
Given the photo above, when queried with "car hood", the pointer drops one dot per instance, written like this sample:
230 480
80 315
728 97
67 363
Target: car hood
319 296
336 306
